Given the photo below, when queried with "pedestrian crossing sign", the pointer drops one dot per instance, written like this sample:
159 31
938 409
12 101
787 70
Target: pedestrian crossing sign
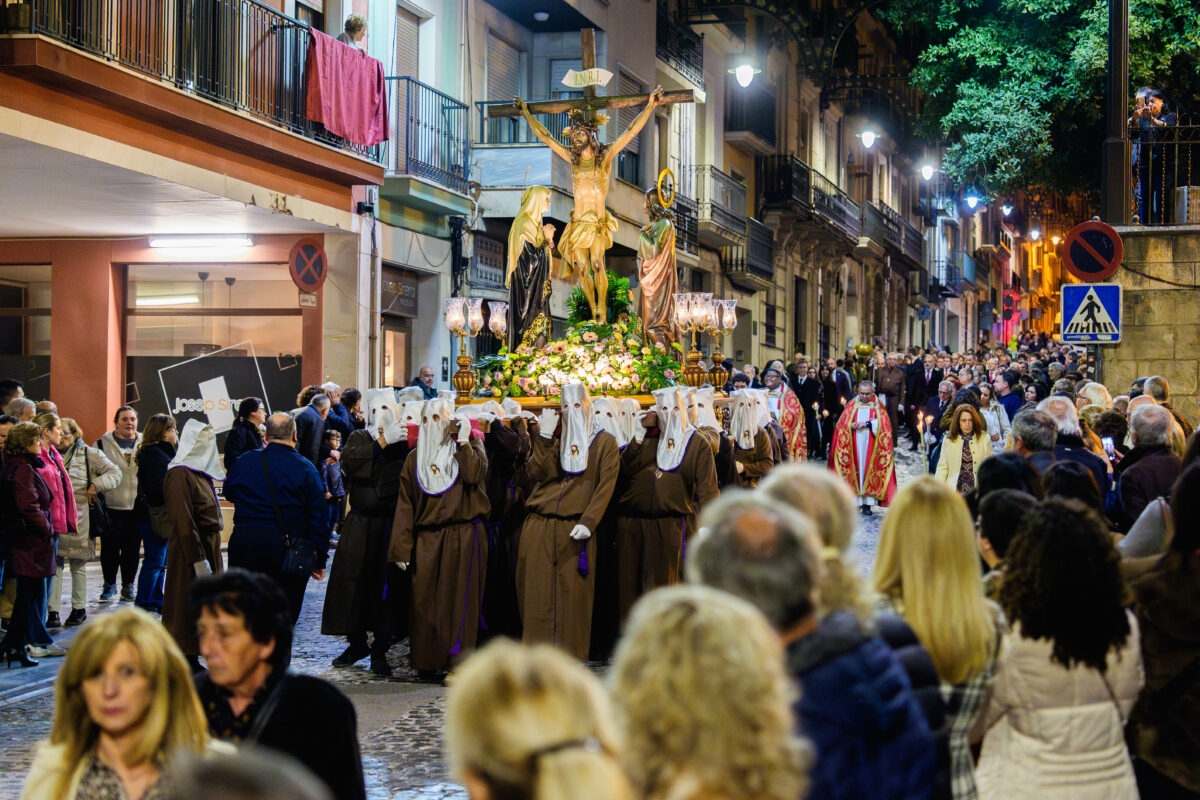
1091 313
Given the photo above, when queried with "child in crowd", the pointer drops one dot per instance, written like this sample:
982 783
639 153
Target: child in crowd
335 489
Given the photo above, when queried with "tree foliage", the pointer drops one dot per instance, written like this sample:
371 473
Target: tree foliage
1016 87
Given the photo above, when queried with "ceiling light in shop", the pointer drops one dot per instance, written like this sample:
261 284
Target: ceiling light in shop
238 240
168 300
541 16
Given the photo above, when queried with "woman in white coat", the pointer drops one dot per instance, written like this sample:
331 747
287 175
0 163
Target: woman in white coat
963 450
995 418
1069 670
90 472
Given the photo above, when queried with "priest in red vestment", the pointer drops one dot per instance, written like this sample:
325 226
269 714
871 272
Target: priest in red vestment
785 407
862 452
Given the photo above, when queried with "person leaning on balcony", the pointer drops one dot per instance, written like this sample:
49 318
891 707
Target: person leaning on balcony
355 30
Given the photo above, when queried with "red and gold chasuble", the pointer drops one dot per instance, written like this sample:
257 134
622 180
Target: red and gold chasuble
880 479
791 417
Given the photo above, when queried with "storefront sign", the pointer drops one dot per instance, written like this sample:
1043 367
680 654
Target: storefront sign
398 293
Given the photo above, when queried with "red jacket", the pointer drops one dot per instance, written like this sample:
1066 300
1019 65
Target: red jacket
25 502
63 513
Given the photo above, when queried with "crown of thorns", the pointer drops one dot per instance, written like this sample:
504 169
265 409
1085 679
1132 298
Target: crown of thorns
579 119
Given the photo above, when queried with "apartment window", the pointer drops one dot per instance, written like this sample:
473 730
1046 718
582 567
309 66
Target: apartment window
629 165
768 325
408 43
310 14
503 70
25 326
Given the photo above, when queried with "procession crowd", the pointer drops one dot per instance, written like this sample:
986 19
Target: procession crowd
1029 623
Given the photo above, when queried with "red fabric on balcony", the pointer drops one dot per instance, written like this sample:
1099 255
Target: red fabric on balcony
344 90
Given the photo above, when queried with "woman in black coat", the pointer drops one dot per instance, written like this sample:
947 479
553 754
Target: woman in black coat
831 408
244 436
25 500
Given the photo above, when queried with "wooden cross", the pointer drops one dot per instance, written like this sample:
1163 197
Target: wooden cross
590 102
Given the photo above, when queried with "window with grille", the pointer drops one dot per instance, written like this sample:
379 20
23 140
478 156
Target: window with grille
629 165
768 325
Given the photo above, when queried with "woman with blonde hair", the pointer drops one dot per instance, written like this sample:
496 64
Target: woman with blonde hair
124 705
528 722
528 275
963 450
703 701
927 570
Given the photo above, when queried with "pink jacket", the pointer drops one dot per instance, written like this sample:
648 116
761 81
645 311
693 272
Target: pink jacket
62 507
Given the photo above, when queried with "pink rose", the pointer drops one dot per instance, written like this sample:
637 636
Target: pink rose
669 374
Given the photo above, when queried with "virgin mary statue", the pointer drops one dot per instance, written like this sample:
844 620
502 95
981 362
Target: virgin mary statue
528 276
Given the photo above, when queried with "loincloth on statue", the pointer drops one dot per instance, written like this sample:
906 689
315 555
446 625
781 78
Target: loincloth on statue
581 235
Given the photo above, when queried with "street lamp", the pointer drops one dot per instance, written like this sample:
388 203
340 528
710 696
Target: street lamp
1035 233
972 199
744 72
1006 209
927 172
1056 240
868 137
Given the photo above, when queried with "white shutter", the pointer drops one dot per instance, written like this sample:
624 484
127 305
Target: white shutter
503 70
407 44
626 116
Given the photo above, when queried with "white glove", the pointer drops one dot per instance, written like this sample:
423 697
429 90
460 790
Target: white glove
930 438
580 533
403 565
639 433
201 567
547 422
464 429
484 416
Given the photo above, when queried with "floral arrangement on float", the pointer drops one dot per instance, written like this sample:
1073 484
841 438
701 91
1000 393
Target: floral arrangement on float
608 358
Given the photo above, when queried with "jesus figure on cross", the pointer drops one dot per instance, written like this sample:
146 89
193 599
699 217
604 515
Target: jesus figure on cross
590 232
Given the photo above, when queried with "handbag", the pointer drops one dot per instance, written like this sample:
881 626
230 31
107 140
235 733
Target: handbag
299 558
99 523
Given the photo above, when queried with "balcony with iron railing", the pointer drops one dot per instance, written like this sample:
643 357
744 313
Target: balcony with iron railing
836 207
785 183
1165 173
880 227
678 46
721 205
750 117
429 143
752 265
913 245
687 225
240 54
946 277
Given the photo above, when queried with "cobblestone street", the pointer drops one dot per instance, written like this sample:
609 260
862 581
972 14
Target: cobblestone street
399 718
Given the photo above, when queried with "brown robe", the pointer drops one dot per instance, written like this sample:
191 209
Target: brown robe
657 515
443 540
756 462
554 596
195 536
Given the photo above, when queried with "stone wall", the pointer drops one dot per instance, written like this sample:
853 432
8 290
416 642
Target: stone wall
1161 325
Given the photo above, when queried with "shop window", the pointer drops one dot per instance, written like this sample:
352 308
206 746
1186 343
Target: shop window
25 326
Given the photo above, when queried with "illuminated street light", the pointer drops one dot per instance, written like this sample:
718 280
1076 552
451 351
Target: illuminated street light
1035 233
1006 209
868 139
744 73
927 172
1056 240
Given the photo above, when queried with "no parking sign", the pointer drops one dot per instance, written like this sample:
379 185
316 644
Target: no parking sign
1093 251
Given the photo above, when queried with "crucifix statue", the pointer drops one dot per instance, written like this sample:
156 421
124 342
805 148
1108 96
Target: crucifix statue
589 233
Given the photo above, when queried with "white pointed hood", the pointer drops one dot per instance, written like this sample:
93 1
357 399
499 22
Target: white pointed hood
197 450
474 410
674 428
437 469
763 407
630 409
577 428
410 412
606 412
410 393
743 423
511 407
704 409
383 416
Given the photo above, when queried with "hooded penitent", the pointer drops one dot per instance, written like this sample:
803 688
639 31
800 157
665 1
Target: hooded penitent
674 428
197 450
705 414
762 407
630 409
607 414
511 407
437 469
383 416
577 428
743 425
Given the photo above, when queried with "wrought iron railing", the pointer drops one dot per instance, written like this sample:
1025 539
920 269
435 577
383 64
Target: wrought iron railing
1165 179
429 136
514 130
721 199
750 109
835 205
914 242
239 53
946 277
760 248
679 46
785 181
687 225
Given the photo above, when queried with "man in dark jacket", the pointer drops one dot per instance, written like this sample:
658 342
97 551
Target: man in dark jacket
277 496
856 704
1009 399
920 385
310 429
1150 469
936 408
339 418
1033 437
247 693
1068 446
424 382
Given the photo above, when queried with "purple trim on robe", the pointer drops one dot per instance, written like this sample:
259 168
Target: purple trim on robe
583 560
457 648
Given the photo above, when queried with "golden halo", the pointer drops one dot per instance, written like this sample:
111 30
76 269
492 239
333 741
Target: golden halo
661 177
